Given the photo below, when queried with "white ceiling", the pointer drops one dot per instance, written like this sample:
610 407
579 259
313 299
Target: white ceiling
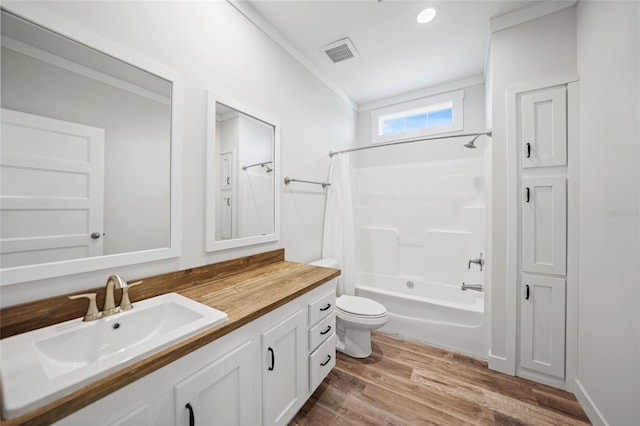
396 54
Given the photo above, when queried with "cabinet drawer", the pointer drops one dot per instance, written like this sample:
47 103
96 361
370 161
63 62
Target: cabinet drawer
322 307
321 361
321 331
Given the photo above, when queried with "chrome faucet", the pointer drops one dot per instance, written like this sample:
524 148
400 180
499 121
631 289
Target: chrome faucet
479 261
474 287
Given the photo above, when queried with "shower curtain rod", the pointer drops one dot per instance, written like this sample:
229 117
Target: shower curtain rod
264 163
402 142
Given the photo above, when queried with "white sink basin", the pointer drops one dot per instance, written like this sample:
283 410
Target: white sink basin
45 364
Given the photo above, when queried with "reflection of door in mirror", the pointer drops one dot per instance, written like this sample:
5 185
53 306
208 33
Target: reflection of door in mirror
52 184
245 184
50 177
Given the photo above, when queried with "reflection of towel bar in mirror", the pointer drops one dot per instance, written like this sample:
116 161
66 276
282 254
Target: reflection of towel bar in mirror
263 164
288 180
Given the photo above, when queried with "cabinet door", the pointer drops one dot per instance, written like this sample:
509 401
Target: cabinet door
219 394
544 127
226 169
137 417
544 225
543 324
284 369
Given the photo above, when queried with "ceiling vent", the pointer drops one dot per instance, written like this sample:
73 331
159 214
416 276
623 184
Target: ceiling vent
340 50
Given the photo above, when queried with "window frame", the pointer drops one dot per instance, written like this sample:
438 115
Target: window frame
408 109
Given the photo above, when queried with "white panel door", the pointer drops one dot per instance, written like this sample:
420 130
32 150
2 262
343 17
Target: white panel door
544 127
220 394
51 189
544 225
285 373
542 337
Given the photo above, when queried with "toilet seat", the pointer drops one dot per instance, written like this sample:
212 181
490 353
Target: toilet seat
360 307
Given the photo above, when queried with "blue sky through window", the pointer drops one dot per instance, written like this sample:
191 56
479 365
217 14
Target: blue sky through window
418 121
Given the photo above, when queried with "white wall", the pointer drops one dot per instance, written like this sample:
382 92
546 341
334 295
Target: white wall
608 373
541 49
215 47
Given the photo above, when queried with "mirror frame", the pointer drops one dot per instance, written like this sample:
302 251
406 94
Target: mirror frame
20 274
211 244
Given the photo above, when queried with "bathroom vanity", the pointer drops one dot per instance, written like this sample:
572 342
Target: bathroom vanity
259 367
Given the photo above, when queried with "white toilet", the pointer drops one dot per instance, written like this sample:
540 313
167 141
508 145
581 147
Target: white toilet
357 317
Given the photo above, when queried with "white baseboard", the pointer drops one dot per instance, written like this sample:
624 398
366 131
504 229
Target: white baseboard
588 406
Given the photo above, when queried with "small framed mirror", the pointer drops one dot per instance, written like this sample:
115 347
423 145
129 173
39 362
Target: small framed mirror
242 168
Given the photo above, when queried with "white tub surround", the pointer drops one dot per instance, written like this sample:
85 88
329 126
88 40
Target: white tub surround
438 314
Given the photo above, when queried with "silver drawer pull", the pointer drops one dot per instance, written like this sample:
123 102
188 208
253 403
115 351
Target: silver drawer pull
326 307
327 330
327 361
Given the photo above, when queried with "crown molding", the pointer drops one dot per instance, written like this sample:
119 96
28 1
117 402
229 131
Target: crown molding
254 17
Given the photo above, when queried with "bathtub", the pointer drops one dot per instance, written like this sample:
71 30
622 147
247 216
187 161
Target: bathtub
437 314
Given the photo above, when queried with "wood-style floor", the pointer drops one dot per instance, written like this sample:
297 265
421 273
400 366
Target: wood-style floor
407 383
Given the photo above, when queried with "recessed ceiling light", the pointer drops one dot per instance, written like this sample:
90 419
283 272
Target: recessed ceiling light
427 15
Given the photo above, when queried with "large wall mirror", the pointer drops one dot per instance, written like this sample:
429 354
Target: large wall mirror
242 171
88 164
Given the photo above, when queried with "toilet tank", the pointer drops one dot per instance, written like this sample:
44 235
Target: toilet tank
327 263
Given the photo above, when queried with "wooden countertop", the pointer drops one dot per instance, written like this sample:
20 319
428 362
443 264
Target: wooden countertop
244 288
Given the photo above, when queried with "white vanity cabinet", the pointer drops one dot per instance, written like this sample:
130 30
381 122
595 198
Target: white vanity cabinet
297 354
322 338
229 381
284 369
220 393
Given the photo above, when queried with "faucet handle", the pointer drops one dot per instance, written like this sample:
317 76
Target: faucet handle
125 302
92 311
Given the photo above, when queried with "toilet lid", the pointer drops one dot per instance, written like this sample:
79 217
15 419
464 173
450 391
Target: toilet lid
360 306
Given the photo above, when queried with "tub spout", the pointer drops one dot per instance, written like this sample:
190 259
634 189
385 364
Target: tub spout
474 287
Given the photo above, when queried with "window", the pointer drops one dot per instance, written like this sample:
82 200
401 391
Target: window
422 117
